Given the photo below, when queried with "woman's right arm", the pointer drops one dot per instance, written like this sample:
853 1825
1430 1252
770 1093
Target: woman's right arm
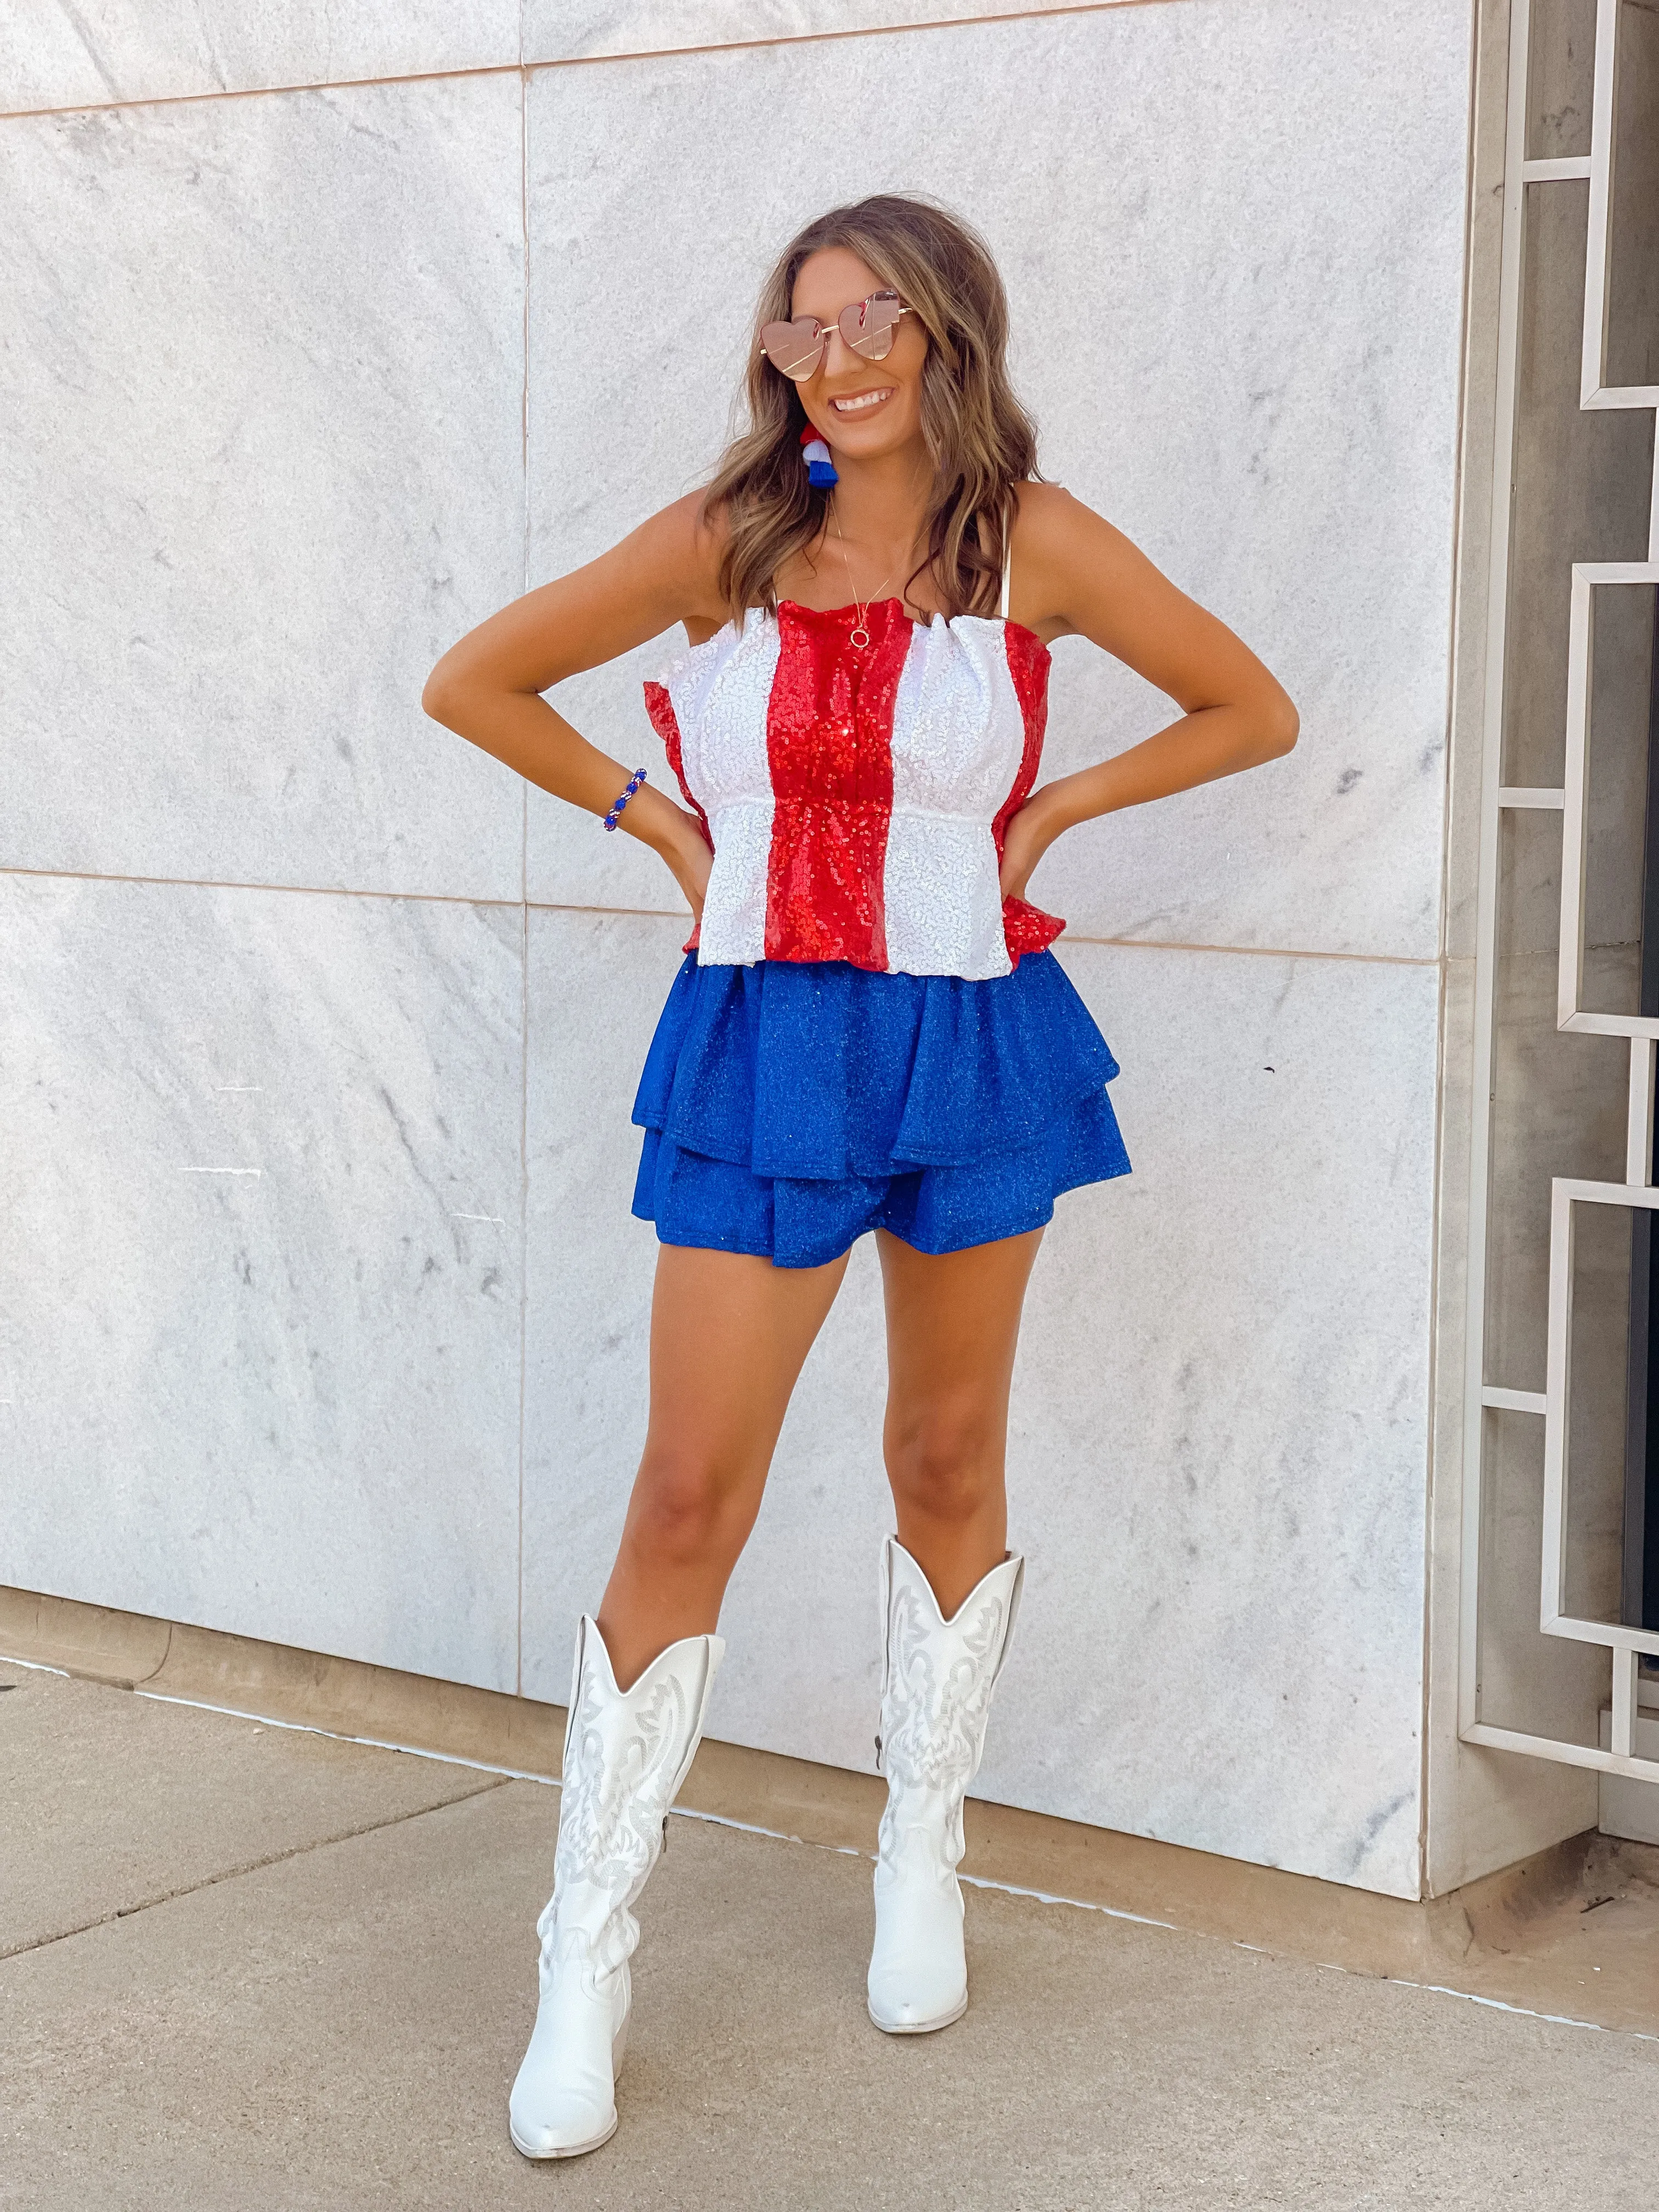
488 688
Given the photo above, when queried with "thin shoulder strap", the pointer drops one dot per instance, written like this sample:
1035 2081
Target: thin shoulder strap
1008 557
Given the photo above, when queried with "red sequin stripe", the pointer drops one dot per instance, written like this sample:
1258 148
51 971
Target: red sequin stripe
829 750
1028 665
660 708
1025 928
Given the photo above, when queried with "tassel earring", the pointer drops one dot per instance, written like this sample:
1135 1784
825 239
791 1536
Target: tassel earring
820 469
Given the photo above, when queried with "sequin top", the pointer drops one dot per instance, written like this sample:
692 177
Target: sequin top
856 796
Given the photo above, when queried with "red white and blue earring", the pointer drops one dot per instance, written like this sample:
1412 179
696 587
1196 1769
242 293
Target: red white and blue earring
820 469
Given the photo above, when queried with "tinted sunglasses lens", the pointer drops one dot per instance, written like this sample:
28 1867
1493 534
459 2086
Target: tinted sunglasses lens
794 350
869 327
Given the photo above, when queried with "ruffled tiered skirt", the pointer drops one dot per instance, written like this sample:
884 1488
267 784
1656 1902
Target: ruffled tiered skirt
789 1106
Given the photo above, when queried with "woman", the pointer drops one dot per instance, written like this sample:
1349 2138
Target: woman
868 1031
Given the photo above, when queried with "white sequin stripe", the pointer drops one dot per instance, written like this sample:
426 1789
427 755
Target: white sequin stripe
944 904
734 906
721 692
958 732
959 738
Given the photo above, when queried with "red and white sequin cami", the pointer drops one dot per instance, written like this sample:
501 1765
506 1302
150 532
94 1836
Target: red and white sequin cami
856 797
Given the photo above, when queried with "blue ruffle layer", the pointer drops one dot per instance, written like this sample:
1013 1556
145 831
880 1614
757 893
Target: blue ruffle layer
789 1106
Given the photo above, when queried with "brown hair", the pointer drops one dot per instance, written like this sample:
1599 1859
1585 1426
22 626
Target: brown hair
982 441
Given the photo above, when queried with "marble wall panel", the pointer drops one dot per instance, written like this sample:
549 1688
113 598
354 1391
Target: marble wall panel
1219 1442
259 1284
596 983
563 30
53 54
263 392
1233 233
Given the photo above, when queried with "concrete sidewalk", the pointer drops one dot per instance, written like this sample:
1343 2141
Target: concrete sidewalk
250 1966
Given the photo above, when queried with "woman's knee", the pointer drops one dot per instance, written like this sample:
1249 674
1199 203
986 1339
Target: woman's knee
685 1507
944 1461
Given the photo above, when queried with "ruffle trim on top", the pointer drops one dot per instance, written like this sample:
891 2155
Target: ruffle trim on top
1027 928
819 1071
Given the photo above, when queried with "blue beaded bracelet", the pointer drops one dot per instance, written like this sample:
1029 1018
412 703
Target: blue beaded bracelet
634 783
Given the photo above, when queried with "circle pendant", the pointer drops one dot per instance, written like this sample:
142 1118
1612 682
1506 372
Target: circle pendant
858 637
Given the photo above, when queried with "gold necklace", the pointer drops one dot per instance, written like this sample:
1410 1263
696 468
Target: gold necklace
858 636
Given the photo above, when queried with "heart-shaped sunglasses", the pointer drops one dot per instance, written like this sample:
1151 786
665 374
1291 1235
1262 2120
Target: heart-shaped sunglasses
868 328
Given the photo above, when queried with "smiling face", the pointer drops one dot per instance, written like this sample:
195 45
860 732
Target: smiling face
864 409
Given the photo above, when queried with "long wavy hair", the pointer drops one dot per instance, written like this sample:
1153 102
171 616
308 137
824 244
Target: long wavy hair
981 439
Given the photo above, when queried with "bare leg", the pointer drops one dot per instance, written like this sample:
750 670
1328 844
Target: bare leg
729 1334
953 1325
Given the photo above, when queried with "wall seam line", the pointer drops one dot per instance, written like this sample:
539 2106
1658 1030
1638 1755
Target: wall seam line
262 91
522 67
659 913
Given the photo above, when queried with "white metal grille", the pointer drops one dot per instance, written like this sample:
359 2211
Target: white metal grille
1568 1194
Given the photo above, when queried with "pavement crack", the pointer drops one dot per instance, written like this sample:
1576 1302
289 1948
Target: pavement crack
249 1866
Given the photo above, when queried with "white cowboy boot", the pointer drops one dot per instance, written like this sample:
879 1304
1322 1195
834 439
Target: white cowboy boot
935 1695
626 1754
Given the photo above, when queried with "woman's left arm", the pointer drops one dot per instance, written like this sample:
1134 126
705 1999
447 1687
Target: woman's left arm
1079 576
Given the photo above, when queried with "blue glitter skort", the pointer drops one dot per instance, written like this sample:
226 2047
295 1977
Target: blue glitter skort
789 1106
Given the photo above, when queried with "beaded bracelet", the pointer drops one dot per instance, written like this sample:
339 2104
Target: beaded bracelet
634 783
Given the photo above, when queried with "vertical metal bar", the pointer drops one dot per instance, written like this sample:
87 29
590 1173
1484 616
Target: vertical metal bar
1641 1523
1640 1577
1575 811
1624 1703
1558 1369
1491 748
1638 1135
1598 244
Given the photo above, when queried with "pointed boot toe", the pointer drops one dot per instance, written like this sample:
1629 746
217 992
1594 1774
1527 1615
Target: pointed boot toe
918 1979
564 2101
567 2127
903 2004
896 2016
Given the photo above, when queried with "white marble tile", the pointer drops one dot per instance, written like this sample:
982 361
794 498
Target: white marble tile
596 985
1219 1460
56 54
261 1171
568 859
263 374
1233 234
1234 1498
591 30
569 30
